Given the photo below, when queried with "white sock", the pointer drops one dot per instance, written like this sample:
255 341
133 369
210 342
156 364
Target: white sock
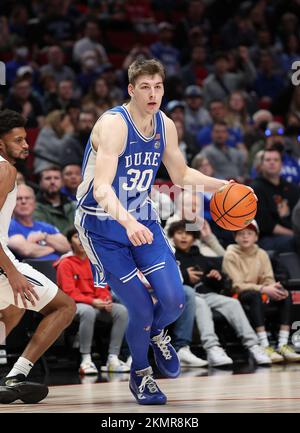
263 338
86 357
283 338
22 366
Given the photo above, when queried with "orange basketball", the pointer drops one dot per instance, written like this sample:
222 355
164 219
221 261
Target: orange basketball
233 207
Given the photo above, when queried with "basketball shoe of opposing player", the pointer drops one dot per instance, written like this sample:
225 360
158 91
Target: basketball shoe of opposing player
18 388
144 388
165 355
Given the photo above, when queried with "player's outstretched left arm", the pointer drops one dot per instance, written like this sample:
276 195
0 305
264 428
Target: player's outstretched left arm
179 172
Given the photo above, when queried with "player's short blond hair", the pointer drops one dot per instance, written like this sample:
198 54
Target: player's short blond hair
145 67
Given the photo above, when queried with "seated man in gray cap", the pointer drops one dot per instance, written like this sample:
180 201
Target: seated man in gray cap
196 116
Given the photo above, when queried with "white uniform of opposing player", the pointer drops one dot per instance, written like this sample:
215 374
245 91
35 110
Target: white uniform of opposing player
45 289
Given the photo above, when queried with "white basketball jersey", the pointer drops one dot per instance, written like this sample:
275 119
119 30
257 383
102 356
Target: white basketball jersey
6 212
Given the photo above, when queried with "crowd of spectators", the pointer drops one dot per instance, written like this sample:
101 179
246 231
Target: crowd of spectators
228 89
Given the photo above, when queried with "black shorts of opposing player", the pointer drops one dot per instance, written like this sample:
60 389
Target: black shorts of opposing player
18 388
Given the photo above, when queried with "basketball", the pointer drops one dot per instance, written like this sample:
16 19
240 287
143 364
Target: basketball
233 207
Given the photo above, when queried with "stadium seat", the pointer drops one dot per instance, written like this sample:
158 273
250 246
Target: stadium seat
291 262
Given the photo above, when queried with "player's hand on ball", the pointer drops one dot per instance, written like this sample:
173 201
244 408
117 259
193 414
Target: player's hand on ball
139 234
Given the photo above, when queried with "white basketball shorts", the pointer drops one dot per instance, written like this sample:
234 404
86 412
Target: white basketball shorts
44 288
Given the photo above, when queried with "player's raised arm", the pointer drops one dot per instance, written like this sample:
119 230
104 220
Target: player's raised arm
108 138
179 172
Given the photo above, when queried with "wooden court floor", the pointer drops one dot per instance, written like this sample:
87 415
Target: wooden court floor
273 390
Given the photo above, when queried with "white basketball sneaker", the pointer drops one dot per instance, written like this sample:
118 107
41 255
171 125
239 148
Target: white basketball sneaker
188 359
217 357
115 365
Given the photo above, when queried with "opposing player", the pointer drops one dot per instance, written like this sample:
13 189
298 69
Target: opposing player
21 286
119 228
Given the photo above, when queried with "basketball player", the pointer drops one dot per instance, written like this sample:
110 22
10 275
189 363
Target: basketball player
21 286
119 228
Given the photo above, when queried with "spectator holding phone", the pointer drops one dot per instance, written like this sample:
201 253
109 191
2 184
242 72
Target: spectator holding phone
204 275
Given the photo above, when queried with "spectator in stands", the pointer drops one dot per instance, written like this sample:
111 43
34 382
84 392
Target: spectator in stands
291 52
57 23
204 274
188 206
31 239
71 176
52 139
164 49
20 58
137 50
73 150
23 101
98 98
73 110
19 20
52 206
175 110
275 138
32 76
224 237
140 15
264 44
195 72
8 39
292 131
250 270
256 134
296 224
90 70
75 278
268 84
196 38
295 101
48 89
276 201
238 30
237 115
186 142
114 82
203 165
56 65
90 41
289 25
196 116
61 99
221 82
194 16
228 162
20 179
218 112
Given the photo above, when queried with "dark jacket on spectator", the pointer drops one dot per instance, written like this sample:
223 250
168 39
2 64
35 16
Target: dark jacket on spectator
269 195
61 216
195 259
